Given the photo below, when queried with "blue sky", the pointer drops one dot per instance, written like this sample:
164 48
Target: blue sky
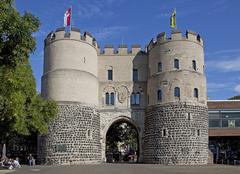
137 21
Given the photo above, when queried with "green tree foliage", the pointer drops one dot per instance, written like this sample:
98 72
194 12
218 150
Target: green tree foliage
22 110
237 97
121 132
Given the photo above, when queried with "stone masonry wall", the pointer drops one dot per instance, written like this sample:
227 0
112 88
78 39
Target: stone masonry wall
73 138
176 134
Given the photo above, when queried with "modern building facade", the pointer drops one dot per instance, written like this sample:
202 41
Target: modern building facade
160 90
224 130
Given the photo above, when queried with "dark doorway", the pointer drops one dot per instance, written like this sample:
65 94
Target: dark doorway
122 143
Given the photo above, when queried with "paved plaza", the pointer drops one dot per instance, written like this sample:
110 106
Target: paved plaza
127 169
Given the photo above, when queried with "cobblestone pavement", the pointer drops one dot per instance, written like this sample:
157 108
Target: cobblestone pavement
128 169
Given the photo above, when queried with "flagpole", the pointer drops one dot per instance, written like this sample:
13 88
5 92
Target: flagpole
71 19
175 18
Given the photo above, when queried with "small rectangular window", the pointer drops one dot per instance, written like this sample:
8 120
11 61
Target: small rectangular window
176 63
194 66
159 67
159 95
135 74
164 132
189 116
198 132
110 74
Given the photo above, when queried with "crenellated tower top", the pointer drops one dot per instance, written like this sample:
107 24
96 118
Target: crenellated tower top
176 35
122 49
74 34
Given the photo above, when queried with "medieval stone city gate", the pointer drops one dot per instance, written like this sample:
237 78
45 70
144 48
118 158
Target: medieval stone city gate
160 90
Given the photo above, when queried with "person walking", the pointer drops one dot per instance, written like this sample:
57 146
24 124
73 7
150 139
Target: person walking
30 160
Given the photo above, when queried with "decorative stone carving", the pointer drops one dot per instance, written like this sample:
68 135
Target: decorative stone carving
122 92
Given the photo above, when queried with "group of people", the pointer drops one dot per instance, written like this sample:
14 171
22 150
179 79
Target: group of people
10 163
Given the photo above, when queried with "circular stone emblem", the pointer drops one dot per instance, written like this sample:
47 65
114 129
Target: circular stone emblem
122 93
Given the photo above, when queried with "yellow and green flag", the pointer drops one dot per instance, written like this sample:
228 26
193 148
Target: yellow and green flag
173 23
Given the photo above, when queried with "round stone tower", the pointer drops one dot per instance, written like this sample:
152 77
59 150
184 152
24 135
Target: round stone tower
176 121
70 78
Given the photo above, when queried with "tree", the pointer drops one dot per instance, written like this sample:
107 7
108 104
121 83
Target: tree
22 110
121 132
237 97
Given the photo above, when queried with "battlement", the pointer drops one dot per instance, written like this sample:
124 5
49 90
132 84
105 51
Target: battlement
122 49
176 35
74 34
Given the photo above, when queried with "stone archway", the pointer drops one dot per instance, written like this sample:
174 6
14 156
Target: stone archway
129 121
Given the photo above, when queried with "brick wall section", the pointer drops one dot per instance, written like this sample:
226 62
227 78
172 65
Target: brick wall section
72 128
181 145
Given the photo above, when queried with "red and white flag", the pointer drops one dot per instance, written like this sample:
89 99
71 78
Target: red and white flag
67 17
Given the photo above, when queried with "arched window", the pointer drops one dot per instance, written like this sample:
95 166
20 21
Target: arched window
159 95
177 92
176 63
159 67
194 66
137 98
107 98
133 99
195 92
112 99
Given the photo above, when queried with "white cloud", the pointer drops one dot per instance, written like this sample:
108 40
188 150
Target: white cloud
87 9
226 65
237 88
214 87
224 51
109 31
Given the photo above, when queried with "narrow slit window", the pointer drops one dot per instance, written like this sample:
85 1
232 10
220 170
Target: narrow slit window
159 95
194 66
198 132
159 67
164 132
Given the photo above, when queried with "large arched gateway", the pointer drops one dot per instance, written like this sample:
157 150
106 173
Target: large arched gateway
120 149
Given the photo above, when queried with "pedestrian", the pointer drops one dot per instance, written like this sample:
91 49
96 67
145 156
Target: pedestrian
16 163
30 160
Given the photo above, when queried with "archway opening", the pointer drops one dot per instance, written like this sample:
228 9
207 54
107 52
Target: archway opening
122 143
